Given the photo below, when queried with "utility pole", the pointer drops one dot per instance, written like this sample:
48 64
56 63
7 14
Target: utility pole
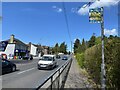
98 18
71 47
103 61
119 18
101 21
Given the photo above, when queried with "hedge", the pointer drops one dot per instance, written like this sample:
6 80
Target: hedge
91 60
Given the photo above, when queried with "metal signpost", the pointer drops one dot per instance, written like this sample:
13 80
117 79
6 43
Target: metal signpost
96 16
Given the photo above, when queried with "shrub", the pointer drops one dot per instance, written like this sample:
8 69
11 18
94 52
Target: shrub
92 62
80 59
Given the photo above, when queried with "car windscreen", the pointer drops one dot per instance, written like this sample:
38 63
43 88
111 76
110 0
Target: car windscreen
45 58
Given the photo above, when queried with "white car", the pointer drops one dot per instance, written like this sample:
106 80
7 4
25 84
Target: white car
47 62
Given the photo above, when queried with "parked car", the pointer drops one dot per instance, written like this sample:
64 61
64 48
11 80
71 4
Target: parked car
64 58
31 57
58 56
25 57
3 55
47 62
8 66
28 57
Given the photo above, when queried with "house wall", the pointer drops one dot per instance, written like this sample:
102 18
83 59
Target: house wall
21 46
33 50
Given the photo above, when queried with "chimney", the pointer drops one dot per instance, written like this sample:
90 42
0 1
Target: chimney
30 43
11 38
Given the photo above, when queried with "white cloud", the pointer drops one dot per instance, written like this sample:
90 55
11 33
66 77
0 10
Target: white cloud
57 9
102 3
83 11
110 32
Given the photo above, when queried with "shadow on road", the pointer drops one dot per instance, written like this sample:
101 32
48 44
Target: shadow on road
51 69
10 72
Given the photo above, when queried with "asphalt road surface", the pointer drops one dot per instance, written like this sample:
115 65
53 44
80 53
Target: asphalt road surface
27 75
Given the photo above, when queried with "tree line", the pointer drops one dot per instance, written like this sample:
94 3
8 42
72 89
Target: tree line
59 48
80 47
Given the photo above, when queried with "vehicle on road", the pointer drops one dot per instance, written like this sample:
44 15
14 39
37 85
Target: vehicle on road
30 57
3 55
7 66
57 56
47 62
64 58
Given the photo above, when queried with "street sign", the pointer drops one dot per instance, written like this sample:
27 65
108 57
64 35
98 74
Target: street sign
95 15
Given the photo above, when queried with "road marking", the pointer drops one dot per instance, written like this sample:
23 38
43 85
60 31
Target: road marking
25 70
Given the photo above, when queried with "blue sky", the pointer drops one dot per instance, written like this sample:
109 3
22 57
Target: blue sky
44 23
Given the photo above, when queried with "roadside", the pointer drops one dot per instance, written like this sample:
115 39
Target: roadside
78 78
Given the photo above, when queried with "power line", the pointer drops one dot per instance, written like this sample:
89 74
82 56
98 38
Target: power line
66 20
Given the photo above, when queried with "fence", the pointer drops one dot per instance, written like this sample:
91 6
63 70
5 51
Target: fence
57 79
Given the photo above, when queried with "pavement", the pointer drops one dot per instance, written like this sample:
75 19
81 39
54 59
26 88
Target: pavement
76 78
27 75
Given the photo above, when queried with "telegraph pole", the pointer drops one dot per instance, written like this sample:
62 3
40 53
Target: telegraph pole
103 61
71 47
101 21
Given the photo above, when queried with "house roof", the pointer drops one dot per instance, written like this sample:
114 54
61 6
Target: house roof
38 46
45 47
17 40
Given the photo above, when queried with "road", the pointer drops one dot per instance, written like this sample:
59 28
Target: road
27 75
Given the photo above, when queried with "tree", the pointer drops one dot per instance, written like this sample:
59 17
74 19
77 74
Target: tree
111 37
98 40
83 47
77 46
56 48
91 42
63 48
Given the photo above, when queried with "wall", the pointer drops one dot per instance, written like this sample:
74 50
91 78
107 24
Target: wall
33 50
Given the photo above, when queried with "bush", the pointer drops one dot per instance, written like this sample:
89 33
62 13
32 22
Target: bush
92 62
80 59
112 61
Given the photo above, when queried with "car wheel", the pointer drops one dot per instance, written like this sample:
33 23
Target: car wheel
55 66
38 68
51 68
13 68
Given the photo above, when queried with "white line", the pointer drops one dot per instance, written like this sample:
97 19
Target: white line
25 70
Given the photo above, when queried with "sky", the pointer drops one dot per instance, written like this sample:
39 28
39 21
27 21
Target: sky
45 23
